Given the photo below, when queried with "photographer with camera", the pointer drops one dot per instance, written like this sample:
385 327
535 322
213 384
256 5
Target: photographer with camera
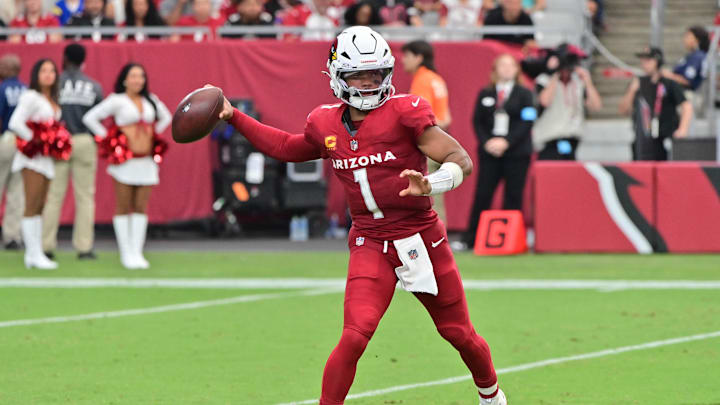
654 101
564 90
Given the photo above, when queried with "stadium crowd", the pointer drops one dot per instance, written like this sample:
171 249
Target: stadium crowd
315 14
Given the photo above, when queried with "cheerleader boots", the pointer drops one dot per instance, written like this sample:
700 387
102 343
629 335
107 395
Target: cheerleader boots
121 224
32 237
138 227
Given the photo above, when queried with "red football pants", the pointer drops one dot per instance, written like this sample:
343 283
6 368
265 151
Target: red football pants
369 290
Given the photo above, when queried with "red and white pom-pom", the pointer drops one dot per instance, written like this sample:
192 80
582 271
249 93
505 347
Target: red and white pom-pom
114 147
49 139
160 147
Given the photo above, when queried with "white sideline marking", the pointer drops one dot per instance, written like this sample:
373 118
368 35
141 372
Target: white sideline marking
529 366
164 308
339 283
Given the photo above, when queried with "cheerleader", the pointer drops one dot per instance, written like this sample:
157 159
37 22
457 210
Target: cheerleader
41 138
133 150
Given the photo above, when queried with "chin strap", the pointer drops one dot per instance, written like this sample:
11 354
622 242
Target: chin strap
448 177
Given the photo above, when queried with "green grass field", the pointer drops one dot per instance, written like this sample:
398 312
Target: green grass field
269 346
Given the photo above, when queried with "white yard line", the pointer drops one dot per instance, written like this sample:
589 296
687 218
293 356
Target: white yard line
307 283
165 308
530 366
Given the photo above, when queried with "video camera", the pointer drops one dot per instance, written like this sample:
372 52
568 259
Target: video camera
568 57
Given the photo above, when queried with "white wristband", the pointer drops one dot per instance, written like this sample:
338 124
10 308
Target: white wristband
448 177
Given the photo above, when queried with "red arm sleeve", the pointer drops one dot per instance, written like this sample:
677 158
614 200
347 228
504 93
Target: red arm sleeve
274 142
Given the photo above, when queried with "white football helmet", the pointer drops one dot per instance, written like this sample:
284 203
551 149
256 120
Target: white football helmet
356 49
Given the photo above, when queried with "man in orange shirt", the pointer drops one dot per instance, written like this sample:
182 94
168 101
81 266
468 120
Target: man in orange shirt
419 60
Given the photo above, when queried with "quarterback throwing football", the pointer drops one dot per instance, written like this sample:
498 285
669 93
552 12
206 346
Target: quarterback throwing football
378 143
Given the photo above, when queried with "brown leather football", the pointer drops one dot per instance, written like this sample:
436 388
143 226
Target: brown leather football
197 114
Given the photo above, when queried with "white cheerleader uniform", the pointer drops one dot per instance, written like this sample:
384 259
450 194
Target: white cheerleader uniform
141 171
32 106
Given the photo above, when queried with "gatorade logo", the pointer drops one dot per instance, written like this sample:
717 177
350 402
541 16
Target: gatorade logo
496 232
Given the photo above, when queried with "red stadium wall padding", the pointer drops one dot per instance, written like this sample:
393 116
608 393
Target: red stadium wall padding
593 208
688 206
285 81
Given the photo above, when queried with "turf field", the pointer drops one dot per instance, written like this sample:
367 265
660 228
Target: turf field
256 328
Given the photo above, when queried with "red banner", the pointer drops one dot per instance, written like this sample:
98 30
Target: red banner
688 206
630 207
582 208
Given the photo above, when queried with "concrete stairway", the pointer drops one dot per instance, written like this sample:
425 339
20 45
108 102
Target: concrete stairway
628 23
608 136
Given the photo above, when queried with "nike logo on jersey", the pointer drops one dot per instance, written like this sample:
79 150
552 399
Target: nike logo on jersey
362 161
436 244
416 102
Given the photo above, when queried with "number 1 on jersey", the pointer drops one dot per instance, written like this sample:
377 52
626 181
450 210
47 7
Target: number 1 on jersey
362 178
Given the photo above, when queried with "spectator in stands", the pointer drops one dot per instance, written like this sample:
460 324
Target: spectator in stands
394 13
9 10
249 12
93 16
592 11
596 8
534 6
503 118
510 12
419 60
691 70
320 20
426 13
2 25
201 16
173 10
337 8
142 13
462 13
564 91
295 14
363 13
34 16
78 93
275 8
115 10
64 9
653 101
10 183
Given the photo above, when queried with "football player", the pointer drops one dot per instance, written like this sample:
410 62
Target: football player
378 143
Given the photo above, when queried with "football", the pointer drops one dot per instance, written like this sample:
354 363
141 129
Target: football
197 114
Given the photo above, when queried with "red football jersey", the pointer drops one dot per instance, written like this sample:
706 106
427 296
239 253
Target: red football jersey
369 164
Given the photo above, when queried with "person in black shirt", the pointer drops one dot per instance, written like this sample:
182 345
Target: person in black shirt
510 12
503 119
249 12
142 13
93 16
653 101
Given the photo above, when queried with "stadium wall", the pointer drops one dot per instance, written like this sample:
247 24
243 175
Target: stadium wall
630 208
285 81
